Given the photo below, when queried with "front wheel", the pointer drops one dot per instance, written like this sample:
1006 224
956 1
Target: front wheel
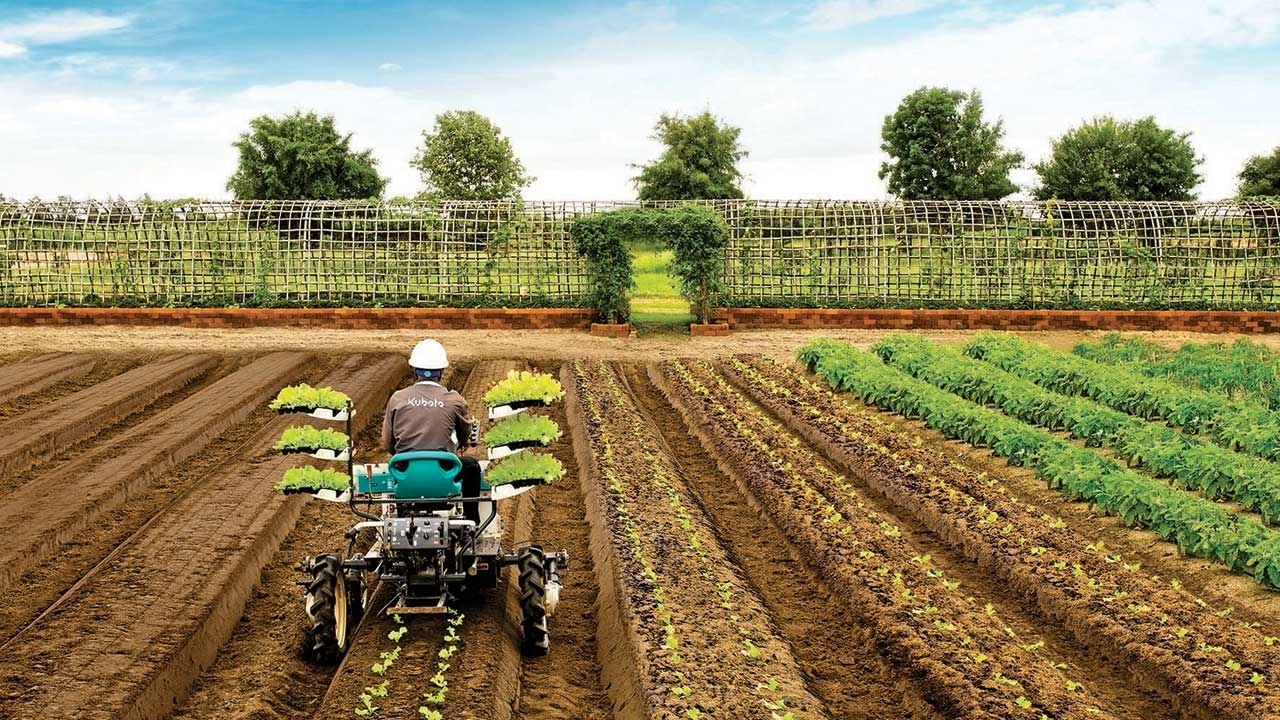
533 595
334 604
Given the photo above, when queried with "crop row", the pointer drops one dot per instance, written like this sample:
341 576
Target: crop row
1241 369
1195 465
709 639
1157 627
1197 526
966 659
1235 424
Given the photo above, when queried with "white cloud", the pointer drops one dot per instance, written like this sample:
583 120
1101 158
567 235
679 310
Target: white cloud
56 27
811 123
389 67
840 14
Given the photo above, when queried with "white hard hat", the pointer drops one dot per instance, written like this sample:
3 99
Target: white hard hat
428 355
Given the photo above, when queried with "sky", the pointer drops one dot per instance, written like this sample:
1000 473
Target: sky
122 98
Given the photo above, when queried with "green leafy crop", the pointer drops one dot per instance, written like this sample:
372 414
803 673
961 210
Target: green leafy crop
519 386
526 466
523 428
307 439
305 397
307 478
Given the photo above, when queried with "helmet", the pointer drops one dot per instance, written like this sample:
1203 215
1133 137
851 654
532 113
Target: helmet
428 355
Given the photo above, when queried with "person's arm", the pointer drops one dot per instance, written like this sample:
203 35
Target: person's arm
462 424
388 429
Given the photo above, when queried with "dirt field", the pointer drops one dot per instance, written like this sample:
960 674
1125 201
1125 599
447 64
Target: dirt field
732 556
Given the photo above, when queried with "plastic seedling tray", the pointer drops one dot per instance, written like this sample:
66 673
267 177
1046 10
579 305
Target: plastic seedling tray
510 490
497 452
317 453
498 412
339 415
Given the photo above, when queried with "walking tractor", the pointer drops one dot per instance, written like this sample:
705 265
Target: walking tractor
433 541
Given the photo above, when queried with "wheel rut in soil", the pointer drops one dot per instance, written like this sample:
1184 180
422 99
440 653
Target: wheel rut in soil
833 650
50 510
481 675
1024 621
37 374
39 434
161 608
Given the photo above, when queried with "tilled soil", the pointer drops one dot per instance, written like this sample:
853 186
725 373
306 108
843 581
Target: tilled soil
1051 562
1025 627
39 373
834 650
161 608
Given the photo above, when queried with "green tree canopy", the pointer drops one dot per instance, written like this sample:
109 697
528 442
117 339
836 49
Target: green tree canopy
1109 159
466 157
700 162
1260 176
302 157
940 148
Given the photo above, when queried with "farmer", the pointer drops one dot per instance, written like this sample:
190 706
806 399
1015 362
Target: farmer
429 416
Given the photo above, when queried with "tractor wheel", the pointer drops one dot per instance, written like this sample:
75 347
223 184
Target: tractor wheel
332 609
533 593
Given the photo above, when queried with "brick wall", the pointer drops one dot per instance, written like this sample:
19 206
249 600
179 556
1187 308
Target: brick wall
1182 320
342 318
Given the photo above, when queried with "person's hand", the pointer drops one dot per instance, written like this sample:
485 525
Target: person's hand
474 440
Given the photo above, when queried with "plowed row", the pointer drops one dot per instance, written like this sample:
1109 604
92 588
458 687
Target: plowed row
744 544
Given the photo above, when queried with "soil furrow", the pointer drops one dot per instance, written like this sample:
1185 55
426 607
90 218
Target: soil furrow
41 433
50 510
565 683
707 641
1014 640
832 647
161 609
18 380
1137 633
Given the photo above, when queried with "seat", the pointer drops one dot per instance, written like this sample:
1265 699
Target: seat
425 475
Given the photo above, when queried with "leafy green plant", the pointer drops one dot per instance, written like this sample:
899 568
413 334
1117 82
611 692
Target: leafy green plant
305 397
310 479
305 438
543 468
1197 526
525 427
524 386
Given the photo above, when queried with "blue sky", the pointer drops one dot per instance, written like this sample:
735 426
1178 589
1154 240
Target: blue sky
125 98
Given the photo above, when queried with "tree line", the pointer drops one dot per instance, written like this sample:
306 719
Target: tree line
939 143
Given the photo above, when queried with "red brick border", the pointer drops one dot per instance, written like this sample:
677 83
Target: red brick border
1207 321
341 318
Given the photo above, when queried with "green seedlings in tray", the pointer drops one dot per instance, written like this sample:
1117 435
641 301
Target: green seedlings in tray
310 479
523 428
524 386
527 466
305 438
303 397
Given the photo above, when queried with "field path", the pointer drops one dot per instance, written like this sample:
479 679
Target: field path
154 615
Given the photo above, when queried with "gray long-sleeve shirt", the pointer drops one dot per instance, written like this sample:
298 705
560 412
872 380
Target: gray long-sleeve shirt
425 416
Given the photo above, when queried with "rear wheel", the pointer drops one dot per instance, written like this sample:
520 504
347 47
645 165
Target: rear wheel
333 605
533 594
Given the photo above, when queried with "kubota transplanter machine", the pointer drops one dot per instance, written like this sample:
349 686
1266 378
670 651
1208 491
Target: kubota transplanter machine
430 543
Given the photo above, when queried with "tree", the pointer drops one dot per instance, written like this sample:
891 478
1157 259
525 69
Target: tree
940 148
466 157
700 162
1260 176
302 157
1109 159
